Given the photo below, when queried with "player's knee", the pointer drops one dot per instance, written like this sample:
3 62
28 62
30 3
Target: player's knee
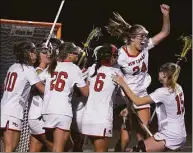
140 147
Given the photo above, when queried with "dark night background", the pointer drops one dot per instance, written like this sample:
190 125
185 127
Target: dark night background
79 16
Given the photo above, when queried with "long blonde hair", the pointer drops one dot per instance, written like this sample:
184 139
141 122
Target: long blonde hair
172 72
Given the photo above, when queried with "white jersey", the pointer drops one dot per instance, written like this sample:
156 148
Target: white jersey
135 68
17 86
170 111
36 103
60 86
99 106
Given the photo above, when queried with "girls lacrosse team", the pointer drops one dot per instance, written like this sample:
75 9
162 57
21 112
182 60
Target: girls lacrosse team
46 78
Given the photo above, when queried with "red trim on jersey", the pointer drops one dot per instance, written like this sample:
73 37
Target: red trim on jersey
84 70
7 128
126 51
66 60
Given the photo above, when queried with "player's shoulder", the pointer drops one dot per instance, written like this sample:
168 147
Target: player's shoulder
162 90
121 50
179 88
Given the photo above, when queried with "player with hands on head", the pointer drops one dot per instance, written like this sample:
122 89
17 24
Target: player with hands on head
170 111
19 79
133 59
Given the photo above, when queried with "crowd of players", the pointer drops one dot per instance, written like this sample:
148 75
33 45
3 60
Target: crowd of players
47 76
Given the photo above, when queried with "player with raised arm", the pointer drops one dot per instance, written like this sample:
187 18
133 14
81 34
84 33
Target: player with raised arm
38 137
133 59
97 119
169 101
57 108
19 79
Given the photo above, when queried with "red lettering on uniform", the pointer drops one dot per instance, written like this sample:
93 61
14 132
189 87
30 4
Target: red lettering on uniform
58 83
10 81
99 82
179 100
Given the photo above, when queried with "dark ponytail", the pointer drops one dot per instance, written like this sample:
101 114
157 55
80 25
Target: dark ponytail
98 65
104 55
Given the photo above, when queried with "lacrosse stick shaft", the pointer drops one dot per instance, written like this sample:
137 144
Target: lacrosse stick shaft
134 112
56 19
81 59
152 116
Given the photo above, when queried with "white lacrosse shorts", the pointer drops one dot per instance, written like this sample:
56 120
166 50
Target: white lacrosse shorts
52 121
97 129
10 122
36 126
171 143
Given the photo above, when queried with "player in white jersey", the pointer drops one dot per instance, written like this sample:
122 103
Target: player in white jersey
169 101
20 77
57 109
133 59
38 137
97 119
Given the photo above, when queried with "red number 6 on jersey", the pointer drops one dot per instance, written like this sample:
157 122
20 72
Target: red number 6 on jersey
99 83
58 83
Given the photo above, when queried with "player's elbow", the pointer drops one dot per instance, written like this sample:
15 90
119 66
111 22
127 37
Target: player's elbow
84 90
40 86
164 33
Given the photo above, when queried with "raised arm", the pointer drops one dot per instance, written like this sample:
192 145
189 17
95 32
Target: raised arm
137 100
165 27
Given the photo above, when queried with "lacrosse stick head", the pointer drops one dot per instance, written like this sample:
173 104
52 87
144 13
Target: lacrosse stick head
187 46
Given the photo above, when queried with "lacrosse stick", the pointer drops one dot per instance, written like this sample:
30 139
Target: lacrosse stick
134 112
187 40
95 33
52 29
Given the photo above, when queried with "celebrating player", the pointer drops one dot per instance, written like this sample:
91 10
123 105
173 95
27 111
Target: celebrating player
35 121
170 111
97 119
20 77
133 59
57 109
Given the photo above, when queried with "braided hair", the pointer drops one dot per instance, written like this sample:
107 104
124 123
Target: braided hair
104 54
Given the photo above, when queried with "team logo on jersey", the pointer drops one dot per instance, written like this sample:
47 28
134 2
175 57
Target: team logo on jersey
15 124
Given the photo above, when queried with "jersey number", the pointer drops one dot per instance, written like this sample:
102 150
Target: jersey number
99 82
10 81
180 102
58 82
136 69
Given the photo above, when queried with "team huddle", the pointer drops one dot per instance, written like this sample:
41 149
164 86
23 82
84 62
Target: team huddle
47 76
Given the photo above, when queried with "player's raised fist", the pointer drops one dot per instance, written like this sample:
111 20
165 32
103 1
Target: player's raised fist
165 9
